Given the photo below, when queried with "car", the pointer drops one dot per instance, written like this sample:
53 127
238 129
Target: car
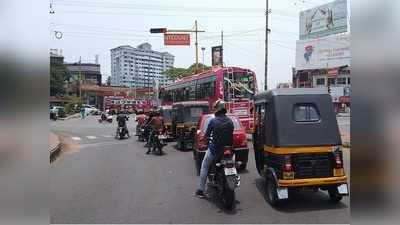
56 111
90 110
240 146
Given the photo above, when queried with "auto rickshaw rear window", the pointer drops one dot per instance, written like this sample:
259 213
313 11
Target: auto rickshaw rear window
306 112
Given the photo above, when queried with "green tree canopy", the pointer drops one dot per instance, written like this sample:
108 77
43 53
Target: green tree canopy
58 75
176 73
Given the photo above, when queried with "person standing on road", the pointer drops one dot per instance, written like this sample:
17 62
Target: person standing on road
219 134
82 112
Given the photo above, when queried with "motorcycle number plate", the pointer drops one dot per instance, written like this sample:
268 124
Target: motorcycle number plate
230 171
162 137
343 189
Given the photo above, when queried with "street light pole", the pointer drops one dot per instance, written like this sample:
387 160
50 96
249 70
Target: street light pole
203 49
196 31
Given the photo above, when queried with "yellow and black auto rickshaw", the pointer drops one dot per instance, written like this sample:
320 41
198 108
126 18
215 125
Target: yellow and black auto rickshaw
166 112
297 143
186 116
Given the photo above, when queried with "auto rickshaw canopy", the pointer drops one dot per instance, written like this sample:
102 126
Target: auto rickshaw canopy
189 111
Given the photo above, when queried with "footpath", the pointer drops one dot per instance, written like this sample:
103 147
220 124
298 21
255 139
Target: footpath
54 146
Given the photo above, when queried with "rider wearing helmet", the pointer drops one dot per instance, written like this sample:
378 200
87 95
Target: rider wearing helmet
122 119
219 133
156 123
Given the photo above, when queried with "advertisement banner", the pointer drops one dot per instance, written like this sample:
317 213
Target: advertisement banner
323 53
176 39
324 20
217 56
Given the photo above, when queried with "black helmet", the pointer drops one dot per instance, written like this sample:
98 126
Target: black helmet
219 106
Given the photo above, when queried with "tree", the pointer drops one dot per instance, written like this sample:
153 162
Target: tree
109 81
176 73
58 75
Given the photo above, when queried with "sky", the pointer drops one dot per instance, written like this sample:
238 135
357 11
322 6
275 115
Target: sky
93 27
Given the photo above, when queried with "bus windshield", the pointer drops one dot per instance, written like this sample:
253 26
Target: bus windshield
238 85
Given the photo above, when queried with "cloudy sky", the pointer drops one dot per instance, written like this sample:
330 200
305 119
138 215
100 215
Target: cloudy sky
91 27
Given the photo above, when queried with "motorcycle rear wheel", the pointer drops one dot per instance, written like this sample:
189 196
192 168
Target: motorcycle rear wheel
228 197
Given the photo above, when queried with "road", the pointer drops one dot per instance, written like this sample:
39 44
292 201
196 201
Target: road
102 180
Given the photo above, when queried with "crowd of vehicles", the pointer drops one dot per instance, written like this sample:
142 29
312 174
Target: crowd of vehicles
296 139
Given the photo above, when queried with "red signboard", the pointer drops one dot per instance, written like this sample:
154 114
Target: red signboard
176 39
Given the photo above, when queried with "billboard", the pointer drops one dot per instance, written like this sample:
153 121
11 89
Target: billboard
217 56
324 20
176 39
323 53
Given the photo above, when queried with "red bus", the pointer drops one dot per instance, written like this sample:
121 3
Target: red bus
234 85
114 103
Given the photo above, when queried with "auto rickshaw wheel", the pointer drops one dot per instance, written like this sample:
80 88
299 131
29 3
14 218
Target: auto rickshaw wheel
334 195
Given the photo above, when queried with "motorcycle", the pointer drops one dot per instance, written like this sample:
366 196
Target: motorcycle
224 178
121 132
106 117
140 133
157 142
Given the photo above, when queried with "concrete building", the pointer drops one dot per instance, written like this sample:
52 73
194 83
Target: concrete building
90 72
139 67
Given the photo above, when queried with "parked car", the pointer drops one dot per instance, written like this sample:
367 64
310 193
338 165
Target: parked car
240 146
56 112
90 110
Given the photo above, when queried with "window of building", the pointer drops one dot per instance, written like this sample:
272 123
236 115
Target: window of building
348 80
341 80
320 81
331 81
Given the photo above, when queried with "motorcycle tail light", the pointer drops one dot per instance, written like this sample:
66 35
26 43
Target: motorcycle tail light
227 152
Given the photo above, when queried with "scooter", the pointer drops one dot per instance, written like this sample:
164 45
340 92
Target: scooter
106 117
224 178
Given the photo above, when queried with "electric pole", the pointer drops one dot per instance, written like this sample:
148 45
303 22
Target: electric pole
222 47
267 30
197 47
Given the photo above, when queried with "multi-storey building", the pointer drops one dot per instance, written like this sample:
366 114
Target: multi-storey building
139 67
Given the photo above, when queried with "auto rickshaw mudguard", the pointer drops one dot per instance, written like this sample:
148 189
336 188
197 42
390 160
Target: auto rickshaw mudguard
270 174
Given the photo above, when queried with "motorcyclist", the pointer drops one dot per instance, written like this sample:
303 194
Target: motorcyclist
156 123
122 117
219 134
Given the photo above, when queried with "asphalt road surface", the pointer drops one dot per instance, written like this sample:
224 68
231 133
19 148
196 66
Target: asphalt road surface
99 179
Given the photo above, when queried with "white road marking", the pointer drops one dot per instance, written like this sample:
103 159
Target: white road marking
76 138
106 135
91 137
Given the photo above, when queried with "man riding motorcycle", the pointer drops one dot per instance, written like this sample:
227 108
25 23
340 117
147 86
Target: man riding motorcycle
155 123
219 134
122 117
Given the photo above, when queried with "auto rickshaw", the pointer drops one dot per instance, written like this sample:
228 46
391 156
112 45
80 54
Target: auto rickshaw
166 112
297 143
186 116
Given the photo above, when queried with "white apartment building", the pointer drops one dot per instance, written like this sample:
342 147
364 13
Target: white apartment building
139 67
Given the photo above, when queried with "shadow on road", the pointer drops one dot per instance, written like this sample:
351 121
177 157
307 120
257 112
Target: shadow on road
213 199
303 201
